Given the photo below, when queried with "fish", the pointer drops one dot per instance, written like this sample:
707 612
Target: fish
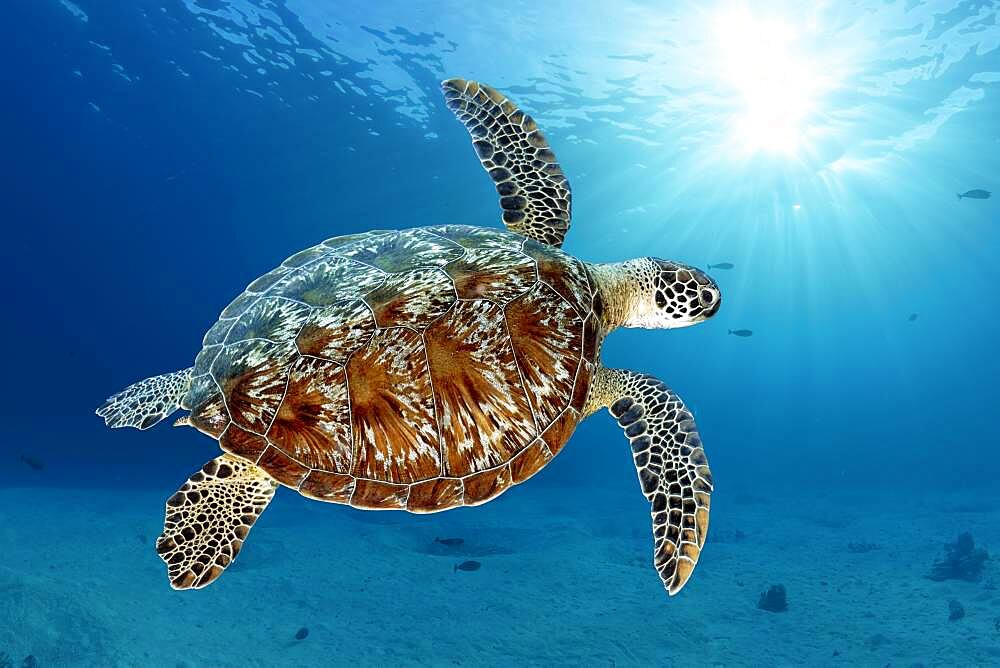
302 633
741 332
721 265
467 566
974 194
912 317
450 542
33 463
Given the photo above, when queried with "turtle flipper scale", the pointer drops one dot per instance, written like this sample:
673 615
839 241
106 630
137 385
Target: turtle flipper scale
144 404
670 462
534 193
209 517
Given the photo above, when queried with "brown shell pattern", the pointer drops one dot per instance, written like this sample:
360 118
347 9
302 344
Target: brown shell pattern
420 370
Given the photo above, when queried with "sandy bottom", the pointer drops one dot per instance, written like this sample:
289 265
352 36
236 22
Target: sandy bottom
565 579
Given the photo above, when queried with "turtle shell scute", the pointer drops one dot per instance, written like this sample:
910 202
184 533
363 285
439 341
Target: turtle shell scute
208 407
343 241
419 369
413 298
239 305
478 237
335 332
238 441
264 283
306 256
328 280
218 332
272 318
547 335
310 422
404 251
495 273
330 487
252 375
564 274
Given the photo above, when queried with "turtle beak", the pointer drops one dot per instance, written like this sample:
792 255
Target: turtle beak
711 299
709 295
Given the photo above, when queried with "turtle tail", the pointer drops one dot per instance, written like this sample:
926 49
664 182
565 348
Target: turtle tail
143 404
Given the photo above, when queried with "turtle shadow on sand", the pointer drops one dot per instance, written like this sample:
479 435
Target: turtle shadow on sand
264 553
829 521
470 545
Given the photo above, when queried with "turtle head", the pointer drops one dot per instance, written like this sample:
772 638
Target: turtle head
655 294
679 295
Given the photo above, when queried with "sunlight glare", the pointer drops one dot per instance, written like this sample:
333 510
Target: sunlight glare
760 59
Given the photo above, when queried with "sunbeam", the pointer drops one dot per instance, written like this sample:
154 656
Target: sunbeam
777 83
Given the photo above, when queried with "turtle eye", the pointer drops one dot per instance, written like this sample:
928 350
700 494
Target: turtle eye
661 301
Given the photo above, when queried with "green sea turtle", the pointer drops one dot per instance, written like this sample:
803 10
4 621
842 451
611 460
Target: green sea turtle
431 368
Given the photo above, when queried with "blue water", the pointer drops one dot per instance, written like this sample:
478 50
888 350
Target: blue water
158 156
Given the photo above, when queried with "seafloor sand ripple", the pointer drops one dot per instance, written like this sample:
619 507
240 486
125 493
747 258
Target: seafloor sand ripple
565 580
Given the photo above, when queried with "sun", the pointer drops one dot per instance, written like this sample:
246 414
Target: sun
762 62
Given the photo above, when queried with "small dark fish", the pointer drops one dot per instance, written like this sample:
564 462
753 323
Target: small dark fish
467 566
721 265
974 194
450 542
33 463
912 317
302 633
741 332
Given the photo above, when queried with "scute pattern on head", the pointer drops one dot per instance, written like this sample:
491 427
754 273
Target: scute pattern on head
653 293
681 291
420 369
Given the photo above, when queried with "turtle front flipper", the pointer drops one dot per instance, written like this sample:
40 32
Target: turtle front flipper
209 517
534 192
671 464
143 404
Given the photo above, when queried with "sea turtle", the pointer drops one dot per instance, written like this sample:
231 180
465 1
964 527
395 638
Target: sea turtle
430 368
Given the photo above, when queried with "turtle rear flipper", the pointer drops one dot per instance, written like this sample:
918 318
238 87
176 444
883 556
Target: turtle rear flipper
143 404
671 464
209 517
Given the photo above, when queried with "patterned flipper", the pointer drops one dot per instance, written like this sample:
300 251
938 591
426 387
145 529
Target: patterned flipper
209 517
143 404
671 464
534 193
